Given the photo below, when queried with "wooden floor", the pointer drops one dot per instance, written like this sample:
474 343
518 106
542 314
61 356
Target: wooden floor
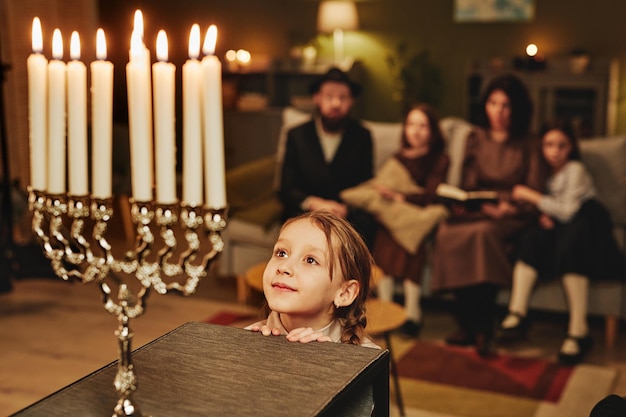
53 332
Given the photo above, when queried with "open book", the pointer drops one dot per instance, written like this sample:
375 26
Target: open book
450 194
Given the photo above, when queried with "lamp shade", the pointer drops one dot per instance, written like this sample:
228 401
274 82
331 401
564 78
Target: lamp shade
337 15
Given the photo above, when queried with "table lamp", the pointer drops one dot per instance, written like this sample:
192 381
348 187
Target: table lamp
335 17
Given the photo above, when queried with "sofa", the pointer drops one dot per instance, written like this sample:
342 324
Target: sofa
254 219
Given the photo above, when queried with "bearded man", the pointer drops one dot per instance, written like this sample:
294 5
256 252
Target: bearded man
328 154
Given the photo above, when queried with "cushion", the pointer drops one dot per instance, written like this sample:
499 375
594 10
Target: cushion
251 195
604 157
408 224
386 139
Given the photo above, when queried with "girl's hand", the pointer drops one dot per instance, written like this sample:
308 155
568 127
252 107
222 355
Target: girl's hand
503 208
265 330
546 221
388 194
524 193
306 335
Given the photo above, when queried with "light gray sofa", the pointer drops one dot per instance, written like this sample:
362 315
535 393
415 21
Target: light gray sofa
254 222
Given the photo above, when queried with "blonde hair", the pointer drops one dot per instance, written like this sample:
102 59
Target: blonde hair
347 250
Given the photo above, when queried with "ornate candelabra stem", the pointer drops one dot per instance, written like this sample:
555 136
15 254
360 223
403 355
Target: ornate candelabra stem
77 256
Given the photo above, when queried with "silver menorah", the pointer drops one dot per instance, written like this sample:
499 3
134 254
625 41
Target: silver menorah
61 223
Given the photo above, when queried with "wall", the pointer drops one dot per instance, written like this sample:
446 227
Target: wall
272 26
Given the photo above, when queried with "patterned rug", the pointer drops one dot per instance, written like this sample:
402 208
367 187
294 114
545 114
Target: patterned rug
517 376
441 381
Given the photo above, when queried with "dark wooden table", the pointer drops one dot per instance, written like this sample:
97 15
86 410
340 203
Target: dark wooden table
203 369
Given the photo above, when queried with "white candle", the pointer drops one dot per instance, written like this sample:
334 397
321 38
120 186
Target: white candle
56 117
77 120
213 123
139 121
37 66
192 122
164 130
101 120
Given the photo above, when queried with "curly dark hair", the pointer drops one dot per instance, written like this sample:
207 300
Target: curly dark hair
521 104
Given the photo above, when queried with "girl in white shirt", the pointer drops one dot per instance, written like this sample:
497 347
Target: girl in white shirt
574 241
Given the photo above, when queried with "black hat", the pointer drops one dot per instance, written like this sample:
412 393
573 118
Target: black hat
338 76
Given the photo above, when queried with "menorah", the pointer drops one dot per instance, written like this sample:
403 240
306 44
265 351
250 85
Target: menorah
77 255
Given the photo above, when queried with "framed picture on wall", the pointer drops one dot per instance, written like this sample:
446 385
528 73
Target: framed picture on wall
466 11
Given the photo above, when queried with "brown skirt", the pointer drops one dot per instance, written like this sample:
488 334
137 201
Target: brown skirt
395 261
474 252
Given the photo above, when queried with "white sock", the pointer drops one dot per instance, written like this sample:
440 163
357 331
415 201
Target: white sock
385 288
412 294
577 292
524 279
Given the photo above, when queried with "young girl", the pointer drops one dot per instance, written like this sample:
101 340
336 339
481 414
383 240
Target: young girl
422 155
317 281
574 241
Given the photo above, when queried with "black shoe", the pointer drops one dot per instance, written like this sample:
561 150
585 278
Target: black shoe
461 338
585 343
519 332
411 328
483 344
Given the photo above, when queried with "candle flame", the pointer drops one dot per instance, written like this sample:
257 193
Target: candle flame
194 41
136 46
57 44
75 46
37 37
209 41
101 45
161 46
138 23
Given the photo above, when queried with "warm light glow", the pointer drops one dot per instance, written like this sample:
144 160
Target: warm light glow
101 45
75 46
57 44
243 56
231 55
136 45
532 49
37 37
337 15
161 46
208 48
138 23
194 41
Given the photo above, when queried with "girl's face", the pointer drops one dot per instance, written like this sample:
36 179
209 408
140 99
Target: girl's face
498 109
417 129
556 148
297 281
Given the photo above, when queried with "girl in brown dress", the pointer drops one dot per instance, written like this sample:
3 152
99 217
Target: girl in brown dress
473 249
422 154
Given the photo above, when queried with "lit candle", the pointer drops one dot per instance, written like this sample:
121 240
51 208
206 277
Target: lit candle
213 123
192 125
101 120
37 66
139 122
77 120
56 117
164 131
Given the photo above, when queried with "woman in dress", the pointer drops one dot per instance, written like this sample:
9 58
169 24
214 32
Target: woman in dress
422 155
473 248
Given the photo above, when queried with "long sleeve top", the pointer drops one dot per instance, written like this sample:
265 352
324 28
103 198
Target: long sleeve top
567 190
